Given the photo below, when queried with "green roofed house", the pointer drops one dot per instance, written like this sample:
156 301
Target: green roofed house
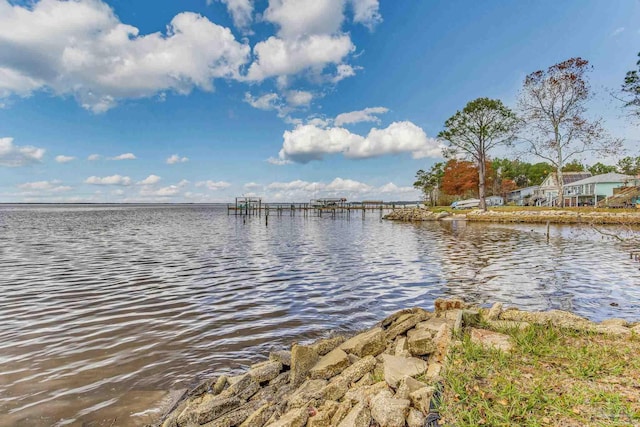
547 194
589 191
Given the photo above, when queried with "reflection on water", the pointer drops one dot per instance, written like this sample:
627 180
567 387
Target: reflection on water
101 306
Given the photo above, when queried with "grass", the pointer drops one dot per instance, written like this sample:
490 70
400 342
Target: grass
552 377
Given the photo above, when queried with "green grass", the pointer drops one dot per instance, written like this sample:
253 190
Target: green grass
553 377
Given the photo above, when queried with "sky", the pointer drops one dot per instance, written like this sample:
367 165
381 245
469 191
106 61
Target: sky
205 100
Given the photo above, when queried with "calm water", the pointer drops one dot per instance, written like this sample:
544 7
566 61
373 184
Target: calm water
100 307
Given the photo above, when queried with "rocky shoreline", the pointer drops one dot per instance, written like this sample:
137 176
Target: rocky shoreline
523 216
389 375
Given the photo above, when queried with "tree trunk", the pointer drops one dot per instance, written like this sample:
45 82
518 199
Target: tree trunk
481 184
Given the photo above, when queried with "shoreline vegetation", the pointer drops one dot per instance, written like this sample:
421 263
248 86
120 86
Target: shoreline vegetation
457 365
521 215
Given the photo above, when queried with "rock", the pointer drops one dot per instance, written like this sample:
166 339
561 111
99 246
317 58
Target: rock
330 365
388 411
343 409
415 418
323 415
364 394
490 339
282 356
457 325
421 398
359 416
340 384
303 358
221 382
443 341
559 318
353 358
395 368
434 323
266 371
470 317
614 322
442 305
412 384
612 329
401 348
259 417
202 388
281 379
265 394
434 370
494 312
406 324
420 342
369 343
209 409
365 381
636 329
234 417
507 324
398 314
309 390
324 346
294 418
442 215
411 214
244 388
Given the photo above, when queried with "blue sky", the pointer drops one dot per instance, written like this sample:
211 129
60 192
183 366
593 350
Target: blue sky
205 100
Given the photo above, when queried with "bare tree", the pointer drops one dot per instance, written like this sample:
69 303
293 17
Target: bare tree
553 105
482 125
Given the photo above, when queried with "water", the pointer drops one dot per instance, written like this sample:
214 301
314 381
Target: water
102 307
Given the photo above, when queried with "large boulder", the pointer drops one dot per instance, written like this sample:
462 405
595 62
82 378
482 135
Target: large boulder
303 358
330 365
420 342
389 411
369 343
396 368
359 416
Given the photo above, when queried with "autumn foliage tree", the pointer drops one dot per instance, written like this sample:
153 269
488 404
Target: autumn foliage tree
553 106
460 178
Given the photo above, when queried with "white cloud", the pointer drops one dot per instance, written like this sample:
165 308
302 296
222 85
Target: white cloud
213 185
304 17
49 186
125 156
108 180
64 159
252 186
366 115
15 155
366 12
281 57
307 142
392 188
266 102
150 180
81 48
617 31
241 12
343 71
299 98
94 157
174 158
168 191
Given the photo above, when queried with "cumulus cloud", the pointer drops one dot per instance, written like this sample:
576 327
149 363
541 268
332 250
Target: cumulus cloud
125 156
308 142
174 158
48 186
252 186
366 12
343 71
241 12
266 102
64 159
298 190
81 48
150 180
366 115
94 157
299 98
303 17
12 155
282 57
213 185
108 180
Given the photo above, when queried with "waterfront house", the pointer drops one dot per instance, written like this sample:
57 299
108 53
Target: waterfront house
547 194
522 196
591 190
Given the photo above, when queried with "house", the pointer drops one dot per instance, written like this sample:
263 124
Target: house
522 196
591 190
547 194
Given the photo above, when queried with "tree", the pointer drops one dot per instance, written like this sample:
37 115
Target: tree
631 89
573 166
482 125
601 168
552 105
429 182
460 178
629 165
